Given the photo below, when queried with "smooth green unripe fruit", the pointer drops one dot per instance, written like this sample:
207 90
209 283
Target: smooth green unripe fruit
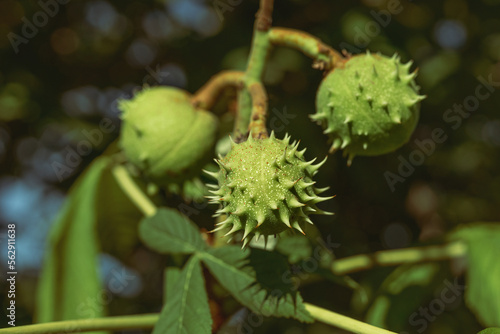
370 106
265 187
165 136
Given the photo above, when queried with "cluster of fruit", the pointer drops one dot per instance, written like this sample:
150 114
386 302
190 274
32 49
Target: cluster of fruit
367 105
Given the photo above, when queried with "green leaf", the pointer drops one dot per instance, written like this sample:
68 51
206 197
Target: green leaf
258 279
69 285
492 330
172 275
300 251
296 247
421 274
186 310
170 232
265 293
269 268
482 294
401 293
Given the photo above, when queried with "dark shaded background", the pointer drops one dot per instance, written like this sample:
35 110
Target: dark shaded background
69 74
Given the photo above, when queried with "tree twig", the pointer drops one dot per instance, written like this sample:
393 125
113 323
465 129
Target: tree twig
264 17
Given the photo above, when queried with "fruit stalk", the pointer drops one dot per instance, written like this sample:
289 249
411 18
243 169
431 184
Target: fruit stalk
252 114
207 96
259 110
325 57
255 69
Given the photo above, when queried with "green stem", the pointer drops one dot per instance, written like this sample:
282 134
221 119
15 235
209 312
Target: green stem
143 321
341 321
325 57
243 115
147 321
251 114
253 74
395 257
133 191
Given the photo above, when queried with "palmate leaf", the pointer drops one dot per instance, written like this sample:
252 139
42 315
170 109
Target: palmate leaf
96 217
69 285
402 292
168 231
186 310
296 247
258 279
172 275
231 266
482 294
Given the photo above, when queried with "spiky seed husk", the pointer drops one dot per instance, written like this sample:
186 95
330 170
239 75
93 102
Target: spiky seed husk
165 136
370 106
266 187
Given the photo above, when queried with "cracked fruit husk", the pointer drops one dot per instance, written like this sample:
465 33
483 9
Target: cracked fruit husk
165 136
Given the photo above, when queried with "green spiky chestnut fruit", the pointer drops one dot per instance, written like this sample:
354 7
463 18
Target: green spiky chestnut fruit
265 187
369 106
165 136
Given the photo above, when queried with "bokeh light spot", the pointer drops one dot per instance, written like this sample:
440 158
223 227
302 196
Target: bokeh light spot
101 15
450 34
80 101
140 53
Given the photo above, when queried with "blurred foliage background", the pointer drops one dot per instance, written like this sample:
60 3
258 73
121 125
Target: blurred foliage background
72 67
